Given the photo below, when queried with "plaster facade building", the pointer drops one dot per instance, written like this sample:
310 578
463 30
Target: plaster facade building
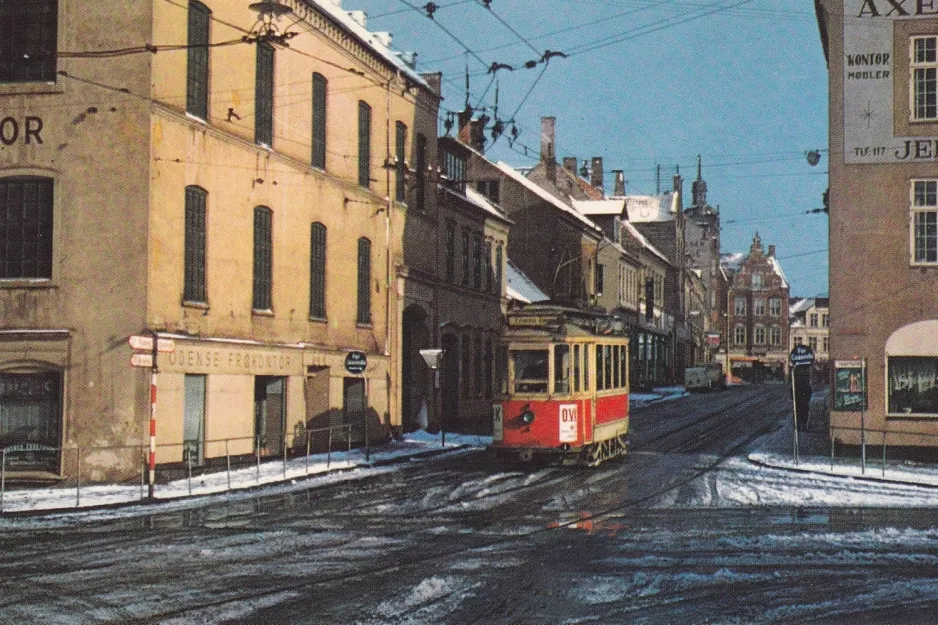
245 199
810 320
757 315
883 121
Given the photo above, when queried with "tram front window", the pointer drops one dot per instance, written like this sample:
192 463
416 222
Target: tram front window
530 368
561 369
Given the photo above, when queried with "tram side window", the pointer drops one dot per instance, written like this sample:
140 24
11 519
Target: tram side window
616 371
561 369
586 368
530 370
623 366
600 382
576 368
607 355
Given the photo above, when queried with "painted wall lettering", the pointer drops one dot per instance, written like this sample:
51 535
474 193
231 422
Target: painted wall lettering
28 129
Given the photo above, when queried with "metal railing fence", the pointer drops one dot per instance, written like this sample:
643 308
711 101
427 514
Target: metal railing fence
879 441
208 459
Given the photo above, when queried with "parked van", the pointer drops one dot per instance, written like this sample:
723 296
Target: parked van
704 377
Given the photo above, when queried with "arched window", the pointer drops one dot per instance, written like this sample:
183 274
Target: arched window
364 281
26 227
317 271
263 258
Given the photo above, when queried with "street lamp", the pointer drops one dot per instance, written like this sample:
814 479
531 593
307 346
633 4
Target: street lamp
434 360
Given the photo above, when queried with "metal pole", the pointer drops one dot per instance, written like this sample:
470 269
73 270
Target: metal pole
307 452
188 466
832 450
77 476
438 379
794 412
258 447
228 463
884 453
154 370
329 449
863 416
3 475
284 453
143 471
349 438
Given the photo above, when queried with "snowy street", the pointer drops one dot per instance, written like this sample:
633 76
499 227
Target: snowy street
684 530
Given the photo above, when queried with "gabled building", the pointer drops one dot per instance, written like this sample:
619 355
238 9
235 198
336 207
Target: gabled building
809 322
757 318
242 198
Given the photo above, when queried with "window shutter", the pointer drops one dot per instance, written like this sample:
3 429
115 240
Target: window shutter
195 235
364 281
197 60
26 227
264 95
320 85
263 258
317 271
364 145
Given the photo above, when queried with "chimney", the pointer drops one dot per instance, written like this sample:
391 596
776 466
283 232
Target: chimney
771 250
596 172
435 80
619 190
548 143
477 134
464 124
569 164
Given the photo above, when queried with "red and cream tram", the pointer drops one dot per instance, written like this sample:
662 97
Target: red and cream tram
567 392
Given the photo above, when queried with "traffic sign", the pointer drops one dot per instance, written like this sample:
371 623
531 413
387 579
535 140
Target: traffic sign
141 360
356 362
801 355
145 344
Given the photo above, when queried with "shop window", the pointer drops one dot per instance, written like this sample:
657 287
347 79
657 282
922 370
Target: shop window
30 420
913 385
197 61
364 144
28 40
317 271
26 227
264 95
195 234
320 87
263 258
364 281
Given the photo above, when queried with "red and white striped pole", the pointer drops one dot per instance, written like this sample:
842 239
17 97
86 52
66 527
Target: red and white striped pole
151 460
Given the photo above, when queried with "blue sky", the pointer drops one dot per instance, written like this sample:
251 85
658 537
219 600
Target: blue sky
648 83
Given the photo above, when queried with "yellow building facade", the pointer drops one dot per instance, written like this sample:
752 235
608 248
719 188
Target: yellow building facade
239 189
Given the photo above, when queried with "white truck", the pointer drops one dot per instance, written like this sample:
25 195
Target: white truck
704 377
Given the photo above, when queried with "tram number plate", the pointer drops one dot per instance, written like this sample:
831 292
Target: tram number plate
568 429
498 422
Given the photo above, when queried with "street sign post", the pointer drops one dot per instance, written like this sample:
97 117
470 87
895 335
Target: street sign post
146 350
356 363
141 360
801 358
434 360
145 344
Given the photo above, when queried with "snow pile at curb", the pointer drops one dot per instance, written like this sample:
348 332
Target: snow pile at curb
918 475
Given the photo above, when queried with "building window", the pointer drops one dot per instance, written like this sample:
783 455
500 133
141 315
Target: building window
26 227
924 78
477 262
364 145
477 357
317 271
825 344
799 340
197 60
28 46
420 177
825 320
739 306
31 419
812 343
364 281
465 257
490 189
320 86
498 267
454 166
489 278
759 335
775 307
739 335
758 307
756 281
263 258
400 152
489 371
264 95
775 335
912 385
600 275
924 221
450 251
194 270
812 320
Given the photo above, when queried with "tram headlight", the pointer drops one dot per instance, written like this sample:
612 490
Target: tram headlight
527 417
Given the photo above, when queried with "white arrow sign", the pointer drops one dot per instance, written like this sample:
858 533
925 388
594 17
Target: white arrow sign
142 360
145 344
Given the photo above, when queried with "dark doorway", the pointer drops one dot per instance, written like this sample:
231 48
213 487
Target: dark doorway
269 414
414 388
450 381
353 407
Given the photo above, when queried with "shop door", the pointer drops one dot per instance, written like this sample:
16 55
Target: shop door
269 414
193 421
353 406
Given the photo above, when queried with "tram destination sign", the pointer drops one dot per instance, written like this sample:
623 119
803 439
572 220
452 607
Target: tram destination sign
356 362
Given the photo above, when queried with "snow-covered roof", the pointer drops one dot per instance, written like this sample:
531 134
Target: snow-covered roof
777 268
645 242
800 304
333 8
599 207
512 173
520 288
642 208
479 200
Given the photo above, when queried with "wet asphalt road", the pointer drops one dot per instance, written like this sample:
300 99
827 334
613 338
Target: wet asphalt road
458 540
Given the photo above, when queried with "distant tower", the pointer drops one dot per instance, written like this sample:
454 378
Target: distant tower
699 187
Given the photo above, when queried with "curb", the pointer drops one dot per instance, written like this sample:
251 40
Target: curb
427 453
862 478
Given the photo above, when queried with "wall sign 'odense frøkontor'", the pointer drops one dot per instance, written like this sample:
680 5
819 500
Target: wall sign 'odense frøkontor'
869 82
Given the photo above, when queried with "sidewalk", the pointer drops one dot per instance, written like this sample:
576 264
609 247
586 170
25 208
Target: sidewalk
815 453
69 498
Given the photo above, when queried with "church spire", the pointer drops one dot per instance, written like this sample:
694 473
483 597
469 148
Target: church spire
699 188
